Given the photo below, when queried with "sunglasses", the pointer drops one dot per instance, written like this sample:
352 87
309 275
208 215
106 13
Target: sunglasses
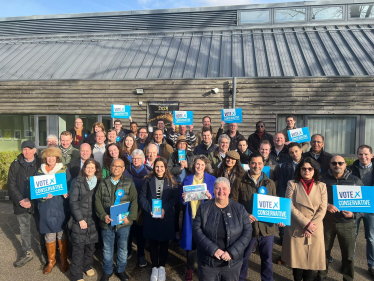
304 169
262 126
337 163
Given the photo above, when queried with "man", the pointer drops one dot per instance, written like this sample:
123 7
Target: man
142 141
163 149
259 135
68 151
233 133
52 141
134 129
166 132
207 121
265 148
279 153
20 171
79 134
317 153
291 124
206 146
263 233
104 198
118 128
98 149
190 136
217 156
151 152
363 169
339 223
75 166
112 137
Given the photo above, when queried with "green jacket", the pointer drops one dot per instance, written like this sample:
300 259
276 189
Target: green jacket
73 154
243 190
215 158
105 197
106 173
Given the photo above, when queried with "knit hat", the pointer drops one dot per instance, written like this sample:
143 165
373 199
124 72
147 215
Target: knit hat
52 151
180 139
233 154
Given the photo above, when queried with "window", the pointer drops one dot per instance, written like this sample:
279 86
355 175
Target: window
66 122
361 11
258 16
369 131
295 14
327 13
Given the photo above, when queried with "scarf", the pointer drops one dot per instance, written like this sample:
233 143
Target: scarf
65 151
244 156
230 177
307 185
261 134
78 136
113 181
53 171
91 182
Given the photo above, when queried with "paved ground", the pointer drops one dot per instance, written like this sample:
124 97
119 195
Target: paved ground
10 247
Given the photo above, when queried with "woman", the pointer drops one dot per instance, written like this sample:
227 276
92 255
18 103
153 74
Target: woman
84 232
96 127
159 184
200 173
222 230
137 171
230 167
128 145
303 243
243 151
53 211
216 157
180 170
111 153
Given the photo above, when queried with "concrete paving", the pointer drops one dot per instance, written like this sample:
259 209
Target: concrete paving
10 247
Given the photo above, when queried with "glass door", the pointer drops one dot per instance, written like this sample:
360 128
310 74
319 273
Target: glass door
41 130
106 120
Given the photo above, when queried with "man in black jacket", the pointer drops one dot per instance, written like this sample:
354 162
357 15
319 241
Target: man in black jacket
339 223
206 146
76 165
258 136
317 153
279 152
79 133
233 133
19 175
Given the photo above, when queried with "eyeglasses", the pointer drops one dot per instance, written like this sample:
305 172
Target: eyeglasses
319 142
262 126
304 169
115 167
136 158
337 163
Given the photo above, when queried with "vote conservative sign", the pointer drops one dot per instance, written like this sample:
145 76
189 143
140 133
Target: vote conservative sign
41 186
354 198
183 117
121 111
272 209
299 135
232 115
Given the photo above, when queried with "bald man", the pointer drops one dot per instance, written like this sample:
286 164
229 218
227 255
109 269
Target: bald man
79 133
76 165
151 155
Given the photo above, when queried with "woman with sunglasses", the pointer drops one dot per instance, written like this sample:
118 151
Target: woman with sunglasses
303 243
230 167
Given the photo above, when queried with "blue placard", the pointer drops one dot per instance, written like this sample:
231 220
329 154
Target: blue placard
266 171
183 117
118 212
181 155
157 208
299 135
232 115
272 209
354 198
121 111
41 186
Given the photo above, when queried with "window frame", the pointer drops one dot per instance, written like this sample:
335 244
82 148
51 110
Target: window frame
344 13
307 12
254 23
360 4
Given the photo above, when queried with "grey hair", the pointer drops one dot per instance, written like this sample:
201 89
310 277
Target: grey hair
138 152
150 145
223 136
223 180
52 137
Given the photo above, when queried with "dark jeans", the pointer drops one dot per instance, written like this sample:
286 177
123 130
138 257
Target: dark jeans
191 256
302 274
137 231
158 252
265 247
25 220
81 260
346 233
369 236
219 273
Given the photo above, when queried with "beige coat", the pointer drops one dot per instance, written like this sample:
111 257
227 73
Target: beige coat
297 250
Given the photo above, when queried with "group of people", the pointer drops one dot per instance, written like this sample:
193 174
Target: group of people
219 232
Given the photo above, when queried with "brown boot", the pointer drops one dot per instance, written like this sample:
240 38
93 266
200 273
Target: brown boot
51 252
63 245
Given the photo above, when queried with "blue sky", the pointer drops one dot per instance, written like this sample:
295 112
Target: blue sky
15 8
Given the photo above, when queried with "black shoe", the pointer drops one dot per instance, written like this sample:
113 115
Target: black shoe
106 277
371 271
142 262
330 259
123 276
319 278
23 259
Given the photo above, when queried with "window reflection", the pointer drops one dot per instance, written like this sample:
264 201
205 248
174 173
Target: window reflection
290 15
327 13
255 16
361 11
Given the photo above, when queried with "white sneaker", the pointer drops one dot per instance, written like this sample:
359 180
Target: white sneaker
161 273
154 275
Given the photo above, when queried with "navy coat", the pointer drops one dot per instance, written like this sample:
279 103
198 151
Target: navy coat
157 228
138 178
186 241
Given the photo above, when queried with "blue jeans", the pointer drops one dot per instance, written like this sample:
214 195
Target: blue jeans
109 236
369 236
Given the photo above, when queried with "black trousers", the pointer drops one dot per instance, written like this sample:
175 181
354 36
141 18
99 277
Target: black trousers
177 210
219 273
302 274
81 260
158 252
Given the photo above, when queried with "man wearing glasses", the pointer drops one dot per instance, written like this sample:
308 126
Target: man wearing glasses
339 223
259 135
318 153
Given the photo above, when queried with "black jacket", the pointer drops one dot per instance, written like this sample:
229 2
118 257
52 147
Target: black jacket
233 141
19 182
330 180
201 149
79 189
254 141
282 157
85 134
323 160
74 167
286 173
356 170
205 226
174 165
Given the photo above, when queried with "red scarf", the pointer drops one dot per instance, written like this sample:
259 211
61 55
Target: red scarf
307 185
261 134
